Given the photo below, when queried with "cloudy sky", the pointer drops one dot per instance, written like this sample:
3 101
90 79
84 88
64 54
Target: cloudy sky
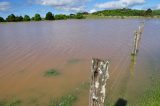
30 7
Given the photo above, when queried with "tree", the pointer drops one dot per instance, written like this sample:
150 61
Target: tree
32 18
26 18
37 17
18 18
2 19
79 16
71 16
120 12
60 17
148 12
49 16
11 18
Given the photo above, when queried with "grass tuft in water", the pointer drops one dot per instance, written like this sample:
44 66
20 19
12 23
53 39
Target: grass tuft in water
66 100
51 72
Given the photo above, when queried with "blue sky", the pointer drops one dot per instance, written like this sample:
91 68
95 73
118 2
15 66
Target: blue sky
30 7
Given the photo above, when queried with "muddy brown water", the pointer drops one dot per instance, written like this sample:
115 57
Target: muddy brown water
27 50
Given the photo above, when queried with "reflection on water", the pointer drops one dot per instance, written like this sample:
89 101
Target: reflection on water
132 64
27 50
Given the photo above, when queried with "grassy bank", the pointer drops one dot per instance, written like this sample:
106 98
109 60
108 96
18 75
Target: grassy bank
91 16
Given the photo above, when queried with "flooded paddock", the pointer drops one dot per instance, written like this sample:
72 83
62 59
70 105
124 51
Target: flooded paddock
28 50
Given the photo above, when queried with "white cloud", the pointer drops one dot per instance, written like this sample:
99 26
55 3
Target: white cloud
158 6
119 4
68 8
92 10
68 5
4 6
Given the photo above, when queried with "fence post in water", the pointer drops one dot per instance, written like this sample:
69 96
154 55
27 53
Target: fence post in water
137 37
99 76
135 46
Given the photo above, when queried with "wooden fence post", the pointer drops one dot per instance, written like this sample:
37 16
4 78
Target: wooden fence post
137 37
99 77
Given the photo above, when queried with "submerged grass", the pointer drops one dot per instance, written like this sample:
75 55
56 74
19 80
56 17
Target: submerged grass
2 103
66 100
151 96
73 61
69 99
51 72
14 102
85 85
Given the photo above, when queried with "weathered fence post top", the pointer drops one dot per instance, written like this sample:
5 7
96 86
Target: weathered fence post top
99 76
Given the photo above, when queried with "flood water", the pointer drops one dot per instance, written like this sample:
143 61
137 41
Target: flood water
27 50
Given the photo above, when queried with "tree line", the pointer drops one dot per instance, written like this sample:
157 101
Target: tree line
127 12
82 15
37 17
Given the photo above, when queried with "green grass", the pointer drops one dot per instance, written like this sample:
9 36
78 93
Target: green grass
14 102
91 16
66 100
70 98
2 103
151 96
51 72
